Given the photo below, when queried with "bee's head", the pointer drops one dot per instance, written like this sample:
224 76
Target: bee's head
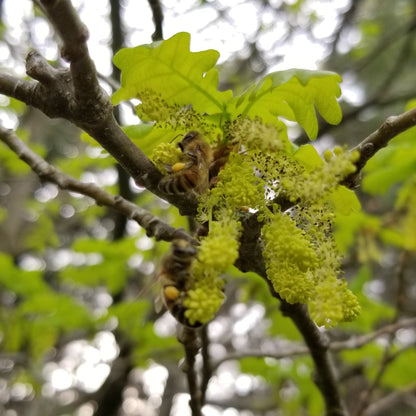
182 248
187 139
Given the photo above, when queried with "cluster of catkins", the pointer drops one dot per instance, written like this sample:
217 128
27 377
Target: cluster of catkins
265 176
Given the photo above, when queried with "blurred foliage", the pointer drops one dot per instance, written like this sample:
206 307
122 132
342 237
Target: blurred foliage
108 265
377 310
64 278
291 379
41 314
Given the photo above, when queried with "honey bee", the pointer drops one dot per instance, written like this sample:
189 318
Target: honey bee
192 172
174 277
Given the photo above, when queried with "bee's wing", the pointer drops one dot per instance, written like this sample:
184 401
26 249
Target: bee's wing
159 304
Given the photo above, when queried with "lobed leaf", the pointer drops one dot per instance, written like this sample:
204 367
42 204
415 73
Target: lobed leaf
293 94
167 75
171 70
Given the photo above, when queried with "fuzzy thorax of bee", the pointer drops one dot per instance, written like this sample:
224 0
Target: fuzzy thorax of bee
191 173
198 167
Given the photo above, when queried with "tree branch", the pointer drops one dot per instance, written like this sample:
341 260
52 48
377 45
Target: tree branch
318 345
391 127
207 369
293 350
189 339
346 20
89 106
154 226
157 12
316 342
16 88
358 342
75 94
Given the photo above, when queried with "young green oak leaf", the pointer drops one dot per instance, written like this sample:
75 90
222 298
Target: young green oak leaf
167 75
293 94
308 156
170 70
392 164
344 200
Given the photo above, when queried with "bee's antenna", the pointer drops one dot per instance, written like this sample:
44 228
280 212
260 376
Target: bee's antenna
178 135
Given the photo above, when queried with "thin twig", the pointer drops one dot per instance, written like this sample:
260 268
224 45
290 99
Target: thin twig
390 401
288 352
346 20
298 349
391 127
358 342
368 393
154 226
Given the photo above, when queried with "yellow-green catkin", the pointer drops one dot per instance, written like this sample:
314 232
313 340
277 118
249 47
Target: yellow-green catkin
153 107
333 303
238 185
203 303
312 186
303 268
165 155
253 134
290 259
217 252
219 249
263 175
317 220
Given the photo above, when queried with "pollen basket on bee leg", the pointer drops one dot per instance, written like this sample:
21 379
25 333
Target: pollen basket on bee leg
171 292
178 166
